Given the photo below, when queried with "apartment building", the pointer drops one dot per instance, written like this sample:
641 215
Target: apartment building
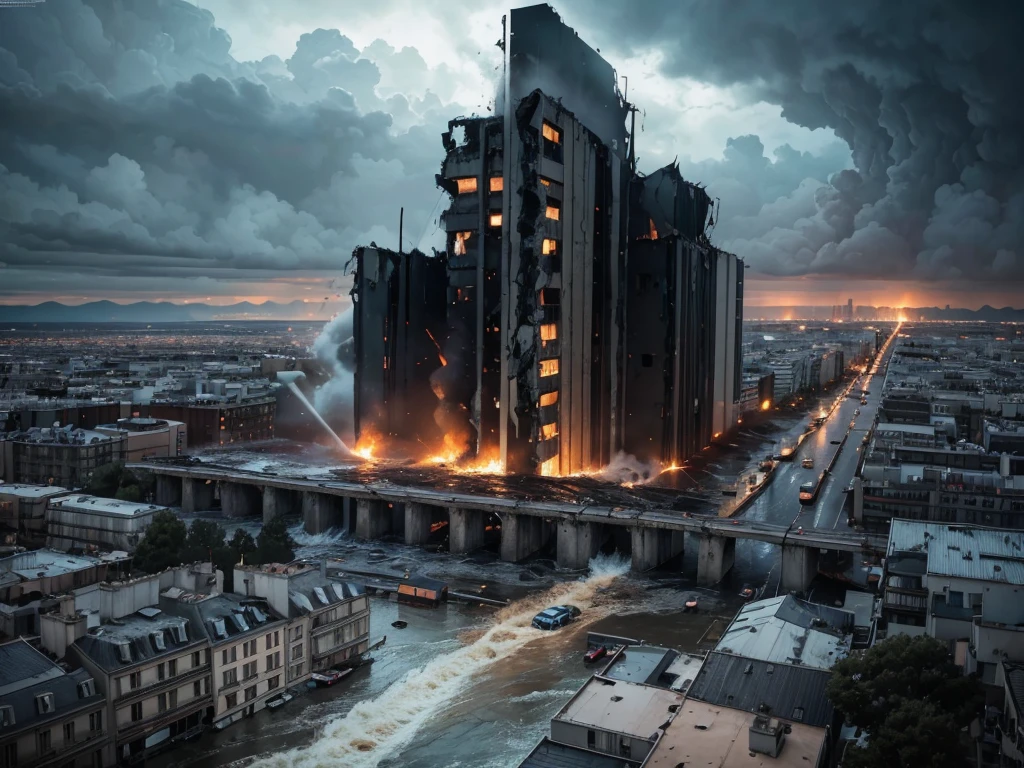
91 523
23 511
958 583
328 620
49 717
247 640
153 667
61 457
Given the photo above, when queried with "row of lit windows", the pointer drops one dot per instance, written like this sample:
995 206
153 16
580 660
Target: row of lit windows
468 184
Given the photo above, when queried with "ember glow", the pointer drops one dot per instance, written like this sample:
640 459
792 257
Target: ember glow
440 356
367 446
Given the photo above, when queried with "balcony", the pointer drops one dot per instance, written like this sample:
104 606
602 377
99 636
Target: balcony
943 610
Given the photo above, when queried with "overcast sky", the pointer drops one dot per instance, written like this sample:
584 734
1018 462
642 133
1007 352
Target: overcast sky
240 149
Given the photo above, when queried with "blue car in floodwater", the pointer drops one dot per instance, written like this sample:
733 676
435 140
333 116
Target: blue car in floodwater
555 617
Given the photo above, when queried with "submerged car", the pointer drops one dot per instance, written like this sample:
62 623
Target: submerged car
556 617
595 654
807 463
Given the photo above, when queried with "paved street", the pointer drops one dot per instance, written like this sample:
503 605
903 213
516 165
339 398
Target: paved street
779 503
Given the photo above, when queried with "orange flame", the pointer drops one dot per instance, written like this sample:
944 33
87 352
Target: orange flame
443 359
366 446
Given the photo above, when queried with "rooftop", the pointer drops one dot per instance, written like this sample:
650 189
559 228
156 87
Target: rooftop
21 665
31 675
551 754
112 507
224 617
620 707
640 664
147 634
31 491
962 551
789 631
46 562
705 735
795 694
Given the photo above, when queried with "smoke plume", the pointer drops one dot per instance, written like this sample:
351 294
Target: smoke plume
334 399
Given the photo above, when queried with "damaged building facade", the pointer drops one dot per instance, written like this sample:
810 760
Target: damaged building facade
579 308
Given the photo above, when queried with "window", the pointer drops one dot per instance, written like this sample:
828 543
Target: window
250 693
550 297
548 367
231 700
497 183
548 398
296 652
549 332
591 739
461 238
270 640
551 133
549 431
196 660
161 702
44 741
229 655
96 721
494 219
553 210
798 714
172 667
548 247
955 599
467 184
136 711
296 671
69 732
273 682
297 632
251 648
249 670
197 689
273 660
230 677
135 680
11 753
160 672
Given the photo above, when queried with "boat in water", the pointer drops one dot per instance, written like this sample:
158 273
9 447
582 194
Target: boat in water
279 702
691 604
330 677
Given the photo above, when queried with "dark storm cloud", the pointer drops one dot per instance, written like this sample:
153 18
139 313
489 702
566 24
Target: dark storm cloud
926 95
134 144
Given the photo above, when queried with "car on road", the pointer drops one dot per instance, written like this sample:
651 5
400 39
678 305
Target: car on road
807 463
857 412
835 442
556 617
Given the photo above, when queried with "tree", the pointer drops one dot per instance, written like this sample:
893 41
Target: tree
242 544
105 480
129 493
275 544
163 544
911 698
204 537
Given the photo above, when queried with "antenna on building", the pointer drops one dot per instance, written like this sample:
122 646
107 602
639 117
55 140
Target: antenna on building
401 220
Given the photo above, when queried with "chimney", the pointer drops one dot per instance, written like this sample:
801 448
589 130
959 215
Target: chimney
323 568
766 734
67 606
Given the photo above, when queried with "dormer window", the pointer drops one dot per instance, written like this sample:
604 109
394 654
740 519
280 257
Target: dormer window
321 596
6 716
44 703
124 652
158 641
87 688
180 631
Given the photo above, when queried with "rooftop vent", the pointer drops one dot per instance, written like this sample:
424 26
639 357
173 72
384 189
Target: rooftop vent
767 736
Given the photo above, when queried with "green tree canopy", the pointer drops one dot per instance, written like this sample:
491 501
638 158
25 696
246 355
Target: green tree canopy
275 544
163 544
911 698
204 537
105 480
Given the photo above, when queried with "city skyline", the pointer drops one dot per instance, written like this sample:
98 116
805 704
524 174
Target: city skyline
228 155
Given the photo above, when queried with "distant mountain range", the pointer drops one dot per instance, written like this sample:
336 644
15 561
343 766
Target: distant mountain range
986 313
166 312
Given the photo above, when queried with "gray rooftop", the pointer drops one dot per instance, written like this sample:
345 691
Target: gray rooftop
27 673
789 631
640 664
31 491
310 591
110 507
962 551
793 693
143 636
46 562
551 754
223 617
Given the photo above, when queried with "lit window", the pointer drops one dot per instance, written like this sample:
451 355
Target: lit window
551 133
550 467
548 398
552 212
548 367
548 332
545 182
466 185
495 219
548 246
550 297
497 183
549 431
461 238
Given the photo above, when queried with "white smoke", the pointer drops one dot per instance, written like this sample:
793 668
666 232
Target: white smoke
334 399
627 468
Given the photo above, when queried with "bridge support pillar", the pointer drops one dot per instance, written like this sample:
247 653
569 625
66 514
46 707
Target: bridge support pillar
321 512
466 529
418 519
522 536
799 567
652 547
577 543
168 490
373 519
278 501
240 500
715 558
196 495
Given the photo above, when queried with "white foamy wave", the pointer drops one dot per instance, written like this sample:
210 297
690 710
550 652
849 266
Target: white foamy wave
328 538
379 728
542 695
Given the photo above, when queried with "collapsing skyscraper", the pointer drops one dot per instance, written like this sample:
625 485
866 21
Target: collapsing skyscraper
579 308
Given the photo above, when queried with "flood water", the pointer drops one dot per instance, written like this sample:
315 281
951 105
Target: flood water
472 686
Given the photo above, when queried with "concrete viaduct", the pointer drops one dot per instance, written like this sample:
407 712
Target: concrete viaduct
370 511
